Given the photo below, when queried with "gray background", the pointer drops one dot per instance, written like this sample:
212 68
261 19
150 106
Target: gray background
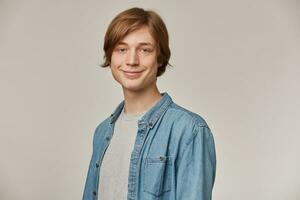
236 63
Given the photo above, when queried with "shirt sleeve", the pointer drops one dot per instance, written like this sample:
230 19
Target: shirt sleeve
196 169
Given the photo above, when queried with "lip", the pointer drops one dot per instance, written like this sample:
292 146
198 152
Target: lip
132 71
132 74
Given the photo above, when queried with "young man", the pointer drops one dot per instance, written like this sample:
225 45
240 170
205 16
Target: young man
149 147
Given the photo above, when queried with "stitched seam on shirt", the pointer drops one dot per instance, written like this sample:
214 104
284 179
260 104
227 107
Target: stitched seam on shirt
210 137
195 133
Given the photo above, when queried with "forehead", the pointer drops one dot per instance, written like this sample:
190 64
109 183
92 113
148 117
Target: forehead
138 37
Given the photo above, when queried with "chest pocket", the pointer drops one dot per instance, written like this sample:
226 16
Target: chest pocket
158 175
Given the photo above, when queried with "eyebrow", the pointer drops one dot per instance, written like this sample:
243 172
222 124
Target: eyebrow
141 43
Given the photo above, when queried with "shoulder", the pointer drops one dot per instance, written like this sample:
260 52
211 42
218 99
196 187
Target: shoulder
186 116
185 123
192 132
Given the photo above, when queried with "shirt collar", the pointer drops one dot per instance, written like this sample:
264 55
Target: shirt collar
152 115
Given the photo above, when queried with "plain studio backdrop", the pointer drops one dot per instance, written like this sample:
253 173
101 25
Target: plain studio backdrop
236 63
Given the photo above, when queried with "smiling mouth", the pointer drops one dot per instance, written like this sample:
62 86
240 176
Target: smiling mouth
132 74
132 71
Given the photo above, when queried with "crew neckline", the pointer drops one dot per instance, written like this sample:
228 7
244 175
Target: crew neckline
131 116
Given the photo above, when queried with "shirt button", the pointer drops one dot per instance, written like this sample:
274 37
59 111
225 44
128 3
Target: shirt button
97 165
161 158
94 193
107 138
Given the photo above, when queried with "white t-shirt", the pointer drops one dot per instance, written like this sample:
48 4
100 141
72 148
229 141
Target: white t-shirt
113 184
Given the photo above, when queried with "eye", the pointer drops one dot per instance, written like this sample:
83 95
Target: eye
146 50
121 50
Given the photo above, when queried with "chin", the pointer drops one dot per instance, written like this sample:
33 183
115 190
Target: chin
132 88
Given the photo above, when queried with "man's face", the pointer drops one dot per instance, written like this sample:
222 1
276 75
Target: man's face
134 61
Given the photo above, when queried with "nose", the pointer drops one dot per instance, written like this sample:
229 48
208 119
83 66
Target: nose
132 58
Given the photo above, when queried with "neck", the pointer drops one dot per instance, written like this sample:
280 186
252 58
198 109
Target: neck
140 101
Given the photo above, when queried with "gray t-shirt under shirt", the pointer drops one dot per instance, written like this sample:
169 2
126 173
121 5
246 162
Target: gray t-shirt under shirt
115 165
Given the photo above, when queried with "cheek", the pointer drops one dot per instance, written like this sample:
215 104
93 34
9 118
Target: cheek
151 61
115 59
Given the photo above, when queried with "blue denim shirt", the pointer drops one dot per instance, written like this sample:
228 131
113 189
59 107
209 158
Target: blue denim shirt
173 156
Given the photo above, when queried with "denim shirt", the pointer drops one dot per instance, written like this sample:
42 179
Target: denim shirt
173 157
